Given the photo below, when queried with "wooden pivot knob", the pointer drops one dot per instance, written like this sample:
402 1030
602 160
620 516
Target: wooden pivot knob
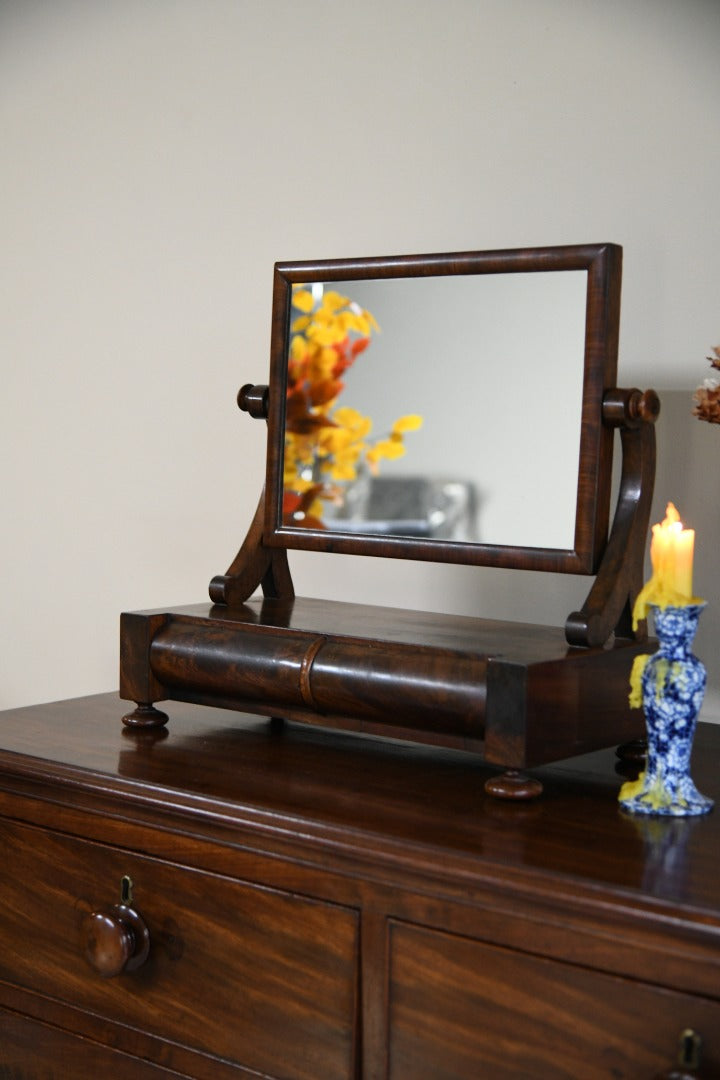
644 406
630 408
254 400
115 940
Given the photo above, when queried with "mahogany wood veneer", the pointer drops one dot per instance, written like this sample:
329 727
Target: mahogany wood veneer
213 900
516 693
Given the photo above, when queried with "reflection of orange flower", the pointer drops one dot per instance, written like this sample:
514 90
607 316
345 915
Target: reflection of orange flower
303 509
324 442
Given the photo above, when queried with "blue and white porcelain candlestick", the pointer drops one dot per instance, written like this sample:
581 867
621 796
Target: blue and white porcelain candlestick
673 684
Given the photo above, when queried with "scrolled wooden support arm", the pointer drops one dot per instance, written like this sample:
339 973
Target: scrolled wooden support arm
608 608
254 565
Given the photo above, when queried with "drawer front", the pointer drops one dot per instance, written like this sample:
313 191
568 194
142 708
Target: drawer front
258 977
33 1051
460 1009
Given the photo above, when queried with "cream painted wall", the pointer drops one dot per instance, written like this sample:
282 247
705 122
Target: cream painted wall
157 158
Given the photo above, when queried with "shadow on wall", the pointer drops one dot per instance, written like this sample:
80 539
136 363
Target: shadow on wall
688 461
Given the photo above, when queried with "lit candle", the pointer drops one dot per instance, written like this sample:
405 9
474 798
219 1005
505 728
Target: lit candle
671 554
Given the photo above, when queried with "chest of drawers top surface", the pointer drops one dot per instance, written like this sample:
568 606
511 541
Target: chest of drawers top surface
328 904
215 770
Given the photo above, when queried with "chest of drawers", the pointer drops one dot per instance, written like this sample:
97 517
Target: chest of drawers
321 906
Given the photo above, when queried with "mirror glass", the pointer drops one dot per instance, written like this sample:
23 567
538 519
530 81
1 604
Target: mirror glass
442 409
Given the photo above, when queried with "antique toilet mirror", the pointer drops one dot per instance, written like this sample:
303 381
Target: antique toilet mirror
489 378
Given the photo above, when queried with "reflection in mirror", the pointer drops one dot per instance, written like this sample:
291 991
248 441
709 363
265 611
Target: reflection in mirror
418 407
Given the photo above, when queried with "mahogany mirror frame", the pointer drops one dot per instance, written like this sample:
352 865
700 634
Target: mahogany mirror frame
603 263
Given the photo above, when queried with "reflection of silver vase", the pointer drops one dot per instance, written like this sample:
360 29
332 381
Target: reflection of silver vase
357 495
673 684
348 500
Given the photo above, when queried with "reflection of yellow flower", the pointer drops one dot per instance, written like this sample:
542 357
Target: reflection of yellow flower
339 448
323 441
393 447
333 320
411 422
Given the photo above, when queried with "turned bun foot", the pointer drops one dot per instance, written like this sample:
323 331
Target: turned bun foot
144 717
513 785
634 751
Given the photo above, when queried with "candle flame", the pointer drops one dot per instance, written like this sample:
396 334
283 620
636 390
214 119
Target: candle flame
671 519
671 554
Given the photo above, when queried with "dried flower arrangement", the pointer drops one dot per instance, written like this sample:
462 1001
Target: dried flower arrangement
706 398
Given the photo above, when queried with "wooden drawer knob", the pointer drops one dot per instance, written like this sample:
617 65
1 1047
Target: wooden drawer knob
115 940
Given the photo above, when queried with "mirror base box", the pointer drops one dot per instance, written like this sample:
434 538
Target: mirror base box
514 693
